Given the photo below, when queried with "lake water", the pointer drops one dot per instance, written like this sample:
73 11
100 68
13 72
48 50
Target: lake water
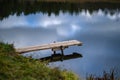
98 29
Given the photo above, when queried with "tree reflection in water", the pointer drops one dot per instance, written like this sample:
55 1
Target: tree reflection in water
11 7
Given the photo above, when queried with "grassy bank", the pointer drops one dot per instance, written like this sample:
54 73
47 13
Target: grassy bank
16 67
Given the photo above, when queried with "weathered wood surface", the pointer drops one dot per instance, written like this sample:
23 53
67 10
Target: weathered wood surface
55 45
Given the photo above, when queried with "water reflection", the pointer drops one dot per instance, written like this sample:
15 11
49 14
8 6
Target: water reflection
60 57
11 7
98 31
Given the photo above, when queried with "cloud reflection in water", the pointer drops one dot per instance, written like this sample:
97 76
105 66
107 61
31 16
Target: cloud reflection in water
99 33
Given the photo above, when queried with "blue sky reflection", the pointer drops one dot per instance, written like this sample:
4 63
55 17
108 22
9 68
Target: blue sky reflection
99 33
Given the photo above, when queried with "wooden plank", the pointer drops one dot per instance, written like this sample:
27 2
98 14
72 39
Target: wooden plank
49 46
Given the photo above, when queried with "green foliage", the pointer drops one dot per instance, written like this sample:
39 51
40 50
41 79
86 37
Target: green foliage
7 49
16 67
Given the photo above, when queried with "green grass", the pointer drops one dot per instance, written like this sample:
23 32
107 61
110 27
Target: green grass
16 67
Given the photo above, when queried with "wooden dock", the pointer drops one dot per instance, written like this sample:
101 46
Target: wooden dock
53 46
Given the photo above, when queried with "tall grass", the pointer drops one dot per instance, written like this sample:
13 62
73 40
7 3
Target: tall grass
111 75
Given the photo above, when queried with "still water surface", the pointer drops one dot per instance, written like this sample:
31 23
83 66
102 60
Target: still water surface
99 32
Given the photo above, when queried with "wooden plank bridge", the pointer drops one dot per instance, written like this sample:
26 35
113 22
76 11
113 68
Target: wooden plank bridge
53 46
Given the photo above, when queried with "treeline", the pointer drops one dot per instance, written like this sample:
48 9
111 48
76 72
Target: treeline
10 7
75 1
82 1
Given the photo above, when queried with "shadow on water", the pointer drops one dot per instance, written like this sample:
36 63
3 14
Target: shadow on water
60 57
11 7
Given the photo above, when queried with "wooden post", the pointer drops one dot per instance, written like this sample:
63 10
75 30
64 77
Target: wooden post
54 52
62 52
